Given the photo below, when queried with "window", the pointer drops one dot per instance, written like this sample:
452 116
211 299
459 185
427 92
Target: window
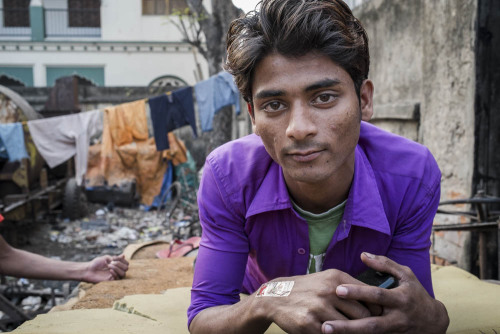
16 76
168 81
162 7
93 74
16 13
84 13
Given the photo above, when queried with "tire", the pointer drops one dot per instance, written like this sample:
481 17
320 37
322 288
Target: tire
74 201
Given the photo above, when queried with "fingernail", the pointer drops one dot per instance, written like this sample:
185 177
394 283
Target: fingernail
368 255
341 291
328 329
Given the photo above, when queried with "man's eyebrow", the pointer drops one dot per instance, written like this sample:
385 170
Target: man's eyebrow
322 84
317 85
269 93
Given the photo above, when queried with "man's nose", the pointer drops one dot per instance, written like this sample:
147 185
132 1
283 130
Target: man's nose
301 123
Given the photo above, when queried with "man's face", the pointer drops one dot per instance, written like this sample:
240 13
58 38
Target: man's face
308 115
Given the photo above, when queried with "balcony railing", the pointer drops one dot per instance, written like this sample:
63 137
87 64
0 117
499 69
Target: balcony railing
72 22
15 22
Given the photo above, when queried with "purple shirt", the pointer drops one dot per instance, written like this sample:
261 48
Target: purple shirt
251 234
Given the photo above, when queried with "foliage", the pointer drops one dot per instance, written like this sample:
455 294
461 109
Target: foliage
206 32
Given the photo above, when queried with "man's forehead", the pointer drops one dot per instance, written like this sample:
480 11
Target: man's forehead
276 73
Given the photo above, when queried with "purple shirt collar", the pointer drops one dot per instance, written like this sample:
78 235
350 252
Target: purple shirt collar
273 195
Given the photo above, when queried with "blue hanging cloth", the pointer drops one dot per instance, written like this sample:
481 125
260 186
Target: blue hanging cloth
12 137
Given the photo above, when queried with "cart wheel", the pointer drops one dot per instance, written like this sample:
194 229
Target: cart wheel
74 201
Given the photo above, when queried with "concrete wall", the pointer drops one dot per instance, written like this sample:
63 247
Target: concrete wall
133 49
396 61
128 24
423 68
125 64
122 20
447 126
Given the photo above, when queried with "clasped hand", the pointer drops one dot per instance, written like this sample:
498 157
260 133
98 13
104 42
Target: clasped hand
334 302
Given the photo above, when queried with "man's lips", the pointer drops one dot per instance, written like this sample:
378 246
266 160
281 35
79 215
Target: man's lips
304 156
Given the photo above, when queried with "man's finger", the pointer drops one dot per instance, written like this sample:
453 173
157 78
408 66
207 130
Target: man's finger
386 265
120 272
372 325
353 309
369 294
343 290
375 309
120 258
331 314
121 265
114 275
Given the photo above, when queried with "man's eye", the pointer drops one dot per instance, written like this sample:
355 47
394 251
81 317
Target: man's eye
323 98
273 106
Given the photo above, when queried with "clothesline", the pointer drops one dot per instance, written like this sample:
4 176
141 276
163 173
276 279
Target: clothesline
169 111
59 138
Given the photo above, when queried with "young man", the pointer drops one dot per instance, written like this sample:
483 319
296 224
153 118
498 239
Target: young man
317 195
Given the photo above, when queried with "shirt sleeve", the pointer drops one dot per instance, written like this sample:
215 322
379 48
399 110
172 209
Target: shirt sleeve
223 253
411 239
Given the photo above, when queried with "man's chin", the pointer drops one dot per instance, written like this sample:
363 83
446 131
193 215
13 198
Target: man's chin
308 176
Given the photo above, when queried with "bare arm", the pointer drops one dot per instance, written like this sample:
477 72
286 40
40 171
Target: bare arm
243 317
311 301
19 263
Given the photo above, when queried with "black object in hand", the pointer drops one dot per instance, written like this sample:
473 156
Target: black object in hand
376 278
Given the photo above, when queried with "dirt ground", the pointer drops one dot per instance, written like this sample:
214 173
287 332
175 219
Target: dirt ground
145 276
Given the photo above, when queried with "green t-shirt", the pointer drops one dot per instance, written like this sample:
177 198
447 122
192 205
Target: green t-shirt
322 226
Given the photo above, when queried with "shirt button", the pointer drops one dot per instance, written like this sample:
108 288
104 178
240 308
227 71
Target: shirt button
301 251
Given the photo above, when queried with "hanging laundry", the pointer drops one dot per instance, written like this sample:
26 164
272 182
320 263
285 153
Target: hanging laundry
126 153
169 112
214 93
122 125
3 151
59 138
163 197
12 138
138 161
149 169
127 122
177 153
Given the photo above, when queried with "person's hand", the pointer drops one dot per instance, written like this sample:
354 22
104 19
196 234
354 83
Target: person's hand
312 301
407 308
105 268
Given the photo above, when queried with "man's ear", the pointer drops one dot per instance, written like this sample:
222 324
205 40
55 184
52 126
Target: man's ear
366 100
252 117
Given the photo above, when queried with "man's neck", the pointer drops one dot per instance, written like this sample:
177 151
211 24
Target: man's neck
322 196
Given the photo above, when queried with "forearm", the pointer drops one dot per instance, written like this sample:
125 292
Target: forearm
20 263
247 316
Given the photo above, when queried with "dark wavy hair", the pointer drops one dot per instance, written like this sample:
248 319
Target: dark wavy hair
294 28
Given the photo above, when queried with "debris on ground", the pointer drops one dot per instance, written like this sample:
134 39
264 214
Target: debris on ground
107 230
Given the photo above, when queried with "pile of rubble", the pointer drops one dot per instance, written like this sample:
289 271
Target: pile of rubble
107 230
113 230
110 230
